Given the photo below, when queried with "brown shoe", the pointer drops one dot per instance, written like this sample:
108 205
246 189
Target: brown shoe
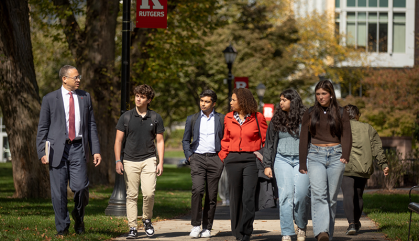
323 237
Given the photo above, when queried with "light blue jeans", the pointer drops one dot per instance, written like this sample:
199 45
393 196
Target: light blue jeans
325 172
293 192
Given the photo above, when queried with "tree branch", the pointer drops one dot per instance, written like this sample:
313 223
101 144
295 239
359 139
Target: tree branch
75 36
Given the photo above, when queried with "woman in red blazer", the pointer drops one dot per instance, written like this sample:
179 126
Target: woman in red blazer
241 139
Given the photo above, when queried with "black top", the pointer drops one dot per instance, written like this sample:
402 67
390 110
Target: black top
139 144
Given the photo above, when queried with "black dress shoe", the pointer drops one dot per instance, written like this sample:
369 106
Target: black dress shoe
61 233
79 224
245 238
80 228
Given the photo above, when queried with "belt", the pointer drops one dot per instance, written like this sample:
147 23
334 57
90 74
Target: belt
207 154
73 141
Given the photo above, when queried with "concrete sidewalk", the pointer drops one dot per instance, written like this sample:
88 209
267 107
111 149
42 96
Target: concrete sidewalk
266 227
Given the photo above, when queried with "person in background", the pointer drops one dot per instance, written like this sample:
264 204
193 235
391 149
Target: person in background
281 154
244 133
325 145
205 128
366 146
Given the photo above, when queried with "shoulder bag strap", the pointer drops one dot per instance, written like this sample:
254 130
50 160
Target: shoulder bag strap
257 122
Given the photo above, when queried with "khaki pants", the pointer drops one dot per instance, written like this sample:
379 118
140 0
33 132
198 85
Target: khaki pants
134 172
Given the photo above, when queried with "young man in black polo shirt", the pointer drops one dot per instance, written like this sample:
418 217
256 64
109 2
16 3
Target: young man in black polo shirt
206 129
137 129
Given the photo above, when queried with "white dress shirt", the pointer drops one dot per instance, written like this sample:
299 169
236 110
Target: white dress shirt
77 122
206 134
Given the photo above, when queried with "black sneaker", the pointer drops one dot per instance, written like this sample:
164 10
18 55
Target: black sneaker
358 226
132 233
351 229
148 227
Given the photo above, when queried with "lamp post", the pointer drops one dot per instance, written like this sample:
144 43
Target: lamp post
260 91
117 202
230 54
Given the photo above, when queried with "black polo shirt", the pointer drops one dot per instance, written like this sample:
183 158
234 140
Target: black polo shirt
139 144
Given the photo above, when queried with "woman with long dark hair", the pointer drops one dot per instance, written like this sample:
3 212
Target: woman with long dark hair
281 154
241 139
325 145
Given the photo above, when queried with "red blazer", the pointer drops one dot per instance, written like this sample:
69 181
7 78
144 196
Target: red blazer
242 138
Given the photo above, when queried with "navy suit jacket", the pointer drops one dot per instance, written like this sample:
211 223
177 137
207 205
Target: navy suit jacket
188 147
52 126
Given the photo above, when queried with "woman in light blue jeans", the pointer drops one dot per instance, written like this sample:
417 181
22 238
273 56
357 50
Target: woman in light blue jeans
325 145
281 146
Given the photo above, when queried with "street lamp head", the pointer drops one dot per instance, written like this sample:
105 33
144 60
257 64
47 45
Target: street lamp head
260 90
230 54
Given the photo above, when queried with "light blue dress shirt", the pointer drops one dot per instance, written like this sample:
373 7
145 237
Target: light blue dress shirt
206 134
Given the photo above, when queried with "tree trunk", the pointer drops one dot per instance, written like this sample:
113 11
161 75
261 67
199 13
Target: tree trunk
19 100
94 51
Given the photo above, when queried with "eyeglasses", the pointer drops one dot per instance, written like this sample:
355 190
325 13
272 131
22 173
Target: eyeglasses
78 77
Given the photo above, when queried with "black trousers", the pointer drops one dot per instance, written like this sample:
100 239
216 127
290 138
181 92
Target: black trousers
72 170
353 204
205 172
242 179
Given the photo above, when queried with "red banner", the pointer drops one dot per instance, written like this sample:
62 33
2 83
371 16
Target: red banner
151 14
241 82
268 111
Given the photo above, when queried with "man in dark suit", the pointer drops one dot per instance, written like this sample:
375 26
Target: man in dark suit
67 122
206 129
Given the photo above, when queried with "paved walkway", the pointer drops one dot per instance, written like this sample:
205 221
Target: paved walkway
266 227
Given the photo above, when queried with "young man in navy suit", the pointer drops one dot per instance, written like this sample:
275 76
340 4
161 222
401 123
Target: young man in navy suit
67 122
206 130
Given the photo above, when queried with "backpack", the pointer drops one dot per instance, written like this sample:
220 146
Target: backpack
197 115
127 117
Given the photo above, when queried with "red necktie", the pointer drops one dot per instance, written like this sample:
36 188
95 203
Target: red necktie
71 120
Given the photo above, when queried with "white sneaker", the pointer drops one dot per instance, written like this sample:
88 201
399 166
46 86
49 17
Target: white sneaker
205 233
286 238
225 202
195 232
301 234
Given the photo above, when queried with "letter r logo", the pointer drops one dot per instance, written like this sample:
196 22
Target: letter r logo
156 4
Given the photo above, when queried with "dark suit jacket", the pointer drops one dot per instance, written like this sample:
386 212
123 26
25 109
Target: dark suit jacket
188 147
52 126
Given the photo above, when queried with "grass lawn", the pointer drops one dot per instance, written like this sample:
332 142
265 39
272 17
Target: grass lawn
390 213
33 219
174 153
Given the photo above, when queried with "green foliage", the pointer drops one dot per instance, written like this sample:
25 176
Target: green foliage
390 104
33 219
390 212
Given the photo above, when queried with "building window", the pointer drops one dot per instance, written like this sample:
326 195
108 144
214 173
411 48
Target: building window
369 3
367 31
351 3
399 32
399 3
337 3
383 4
